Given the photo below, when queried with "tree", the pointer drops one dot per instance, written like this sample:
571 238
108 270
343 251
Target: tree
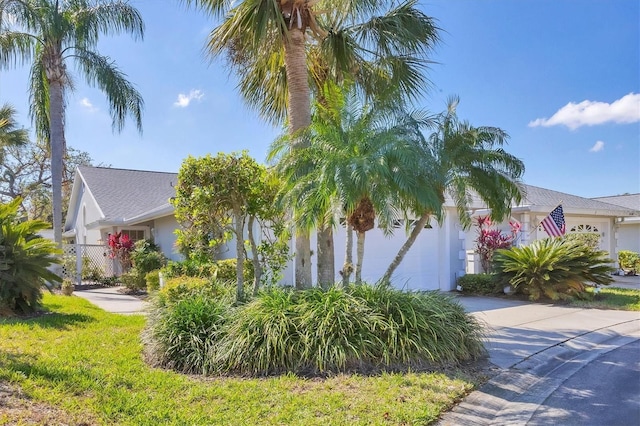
25 172
49 33
459 160
268 47
360 163
10 134
216 197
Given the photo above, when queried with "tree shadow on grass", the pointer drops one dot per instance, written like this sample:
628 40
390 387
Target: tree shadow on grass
47 319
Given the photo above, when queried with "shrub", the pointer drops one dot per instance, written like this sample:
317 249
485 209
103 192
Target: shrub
24 261
146 256
189 267
311 331
133 280
178 288
153 280
181 336
553 268
478 283
225 270
67 287
629 261
591 239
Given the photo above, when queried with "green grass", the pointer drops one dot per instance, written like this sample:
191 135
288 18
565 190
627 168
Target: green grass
88 364
611 298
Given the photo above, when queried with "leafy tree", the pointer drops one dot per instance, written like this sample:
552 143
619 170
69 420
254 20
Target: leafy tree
216 197
24 261
49 34
379 44
25 172
359 164
459 160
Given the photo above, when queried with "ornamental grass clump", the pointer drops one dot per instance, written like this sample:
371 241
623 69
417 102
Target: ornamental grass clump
553 268
355 329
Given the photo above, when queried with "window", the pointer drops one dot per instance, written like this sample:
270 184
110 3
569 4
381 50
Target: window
584 228
134 234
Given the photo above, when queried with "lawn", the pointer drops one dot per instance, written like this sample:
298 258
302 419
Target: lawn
611 298
78 364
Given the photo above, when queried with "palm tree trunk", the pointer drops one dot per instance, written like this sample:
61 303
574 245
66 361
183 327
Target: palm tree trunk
347 268
299 111
326 258
360 256
56 141
238 219
418 227
257 267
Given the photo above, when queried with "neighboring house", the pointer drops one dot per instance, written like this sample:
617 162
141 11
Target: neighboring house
105 201
628 227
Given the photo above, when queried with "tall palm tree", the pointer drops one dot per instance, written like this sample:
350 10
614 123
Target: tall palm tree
359 164
278 46
49 34
10 133
460 160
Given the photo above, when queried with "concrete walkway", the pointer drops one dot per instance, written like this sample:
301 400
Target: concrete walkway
537 347
111 300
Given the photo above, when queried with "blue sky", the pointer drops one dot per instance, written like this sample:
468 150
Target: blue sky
562 77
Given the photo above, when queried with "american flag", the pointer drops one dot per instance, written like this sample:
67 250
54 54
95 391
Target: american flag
554 223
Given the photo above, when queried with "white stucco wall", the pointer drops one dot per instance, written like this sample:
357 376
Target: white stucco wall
164 236
628 236
85 212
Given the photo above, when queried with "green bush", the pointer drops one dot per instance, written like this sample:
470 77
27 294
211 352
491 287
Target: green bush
133 280
182 335
146 256
178 288
225 270
153 280
478 283
24 261
190 268
553 268
590 239
312 331
629 261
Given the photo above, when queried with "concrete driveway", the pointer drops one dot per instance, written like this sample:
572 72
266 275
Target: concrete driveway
539 348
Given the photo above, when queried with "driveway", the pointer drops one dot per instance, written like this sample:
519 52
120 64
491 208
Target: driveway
543 351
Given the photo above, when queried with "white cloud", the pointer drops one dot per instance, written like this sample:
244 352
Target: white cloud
591 113
86 104
597 147
184 100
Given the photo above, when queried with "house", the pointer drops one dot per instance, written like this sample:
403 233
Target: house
629 226
136 203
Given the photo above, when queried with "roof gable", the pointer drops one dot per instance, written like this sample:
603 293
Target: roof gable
123 194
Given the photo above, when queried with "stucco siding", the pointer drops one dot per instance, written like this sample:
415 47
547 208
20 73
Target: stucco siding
164 236
629 237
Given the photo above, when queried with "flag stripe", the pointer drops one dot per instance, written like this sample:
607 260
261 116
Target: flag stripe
554 224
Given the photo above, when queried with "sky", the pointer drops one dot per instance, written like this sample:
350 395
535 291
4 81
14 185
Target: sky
561 77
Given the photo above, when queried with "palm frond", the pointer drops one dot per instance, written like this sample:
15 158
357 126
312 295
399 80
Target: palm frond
123 98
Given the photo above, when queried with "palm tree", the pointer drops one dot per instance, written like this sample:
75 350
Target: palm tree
267 44
49 33
10 133
360 164
459 160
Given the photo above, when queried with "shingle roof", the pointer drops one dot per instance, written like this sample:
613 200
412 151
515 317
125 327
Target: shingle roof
536 196
123 194
630 201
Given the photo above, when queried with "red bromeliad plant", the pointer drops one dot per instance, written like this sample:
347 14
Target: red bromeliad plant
120 246
489 240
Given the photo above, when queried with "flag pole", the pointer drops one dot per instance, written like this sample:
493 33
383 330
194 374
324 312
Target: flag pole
536 227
